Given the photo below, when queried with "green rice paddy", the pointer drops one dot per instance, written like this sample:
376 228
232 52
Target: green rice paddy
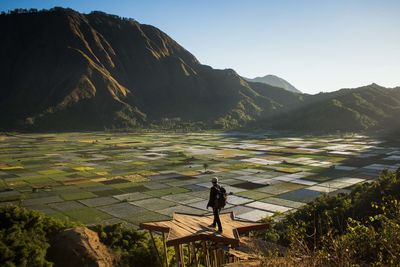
97 177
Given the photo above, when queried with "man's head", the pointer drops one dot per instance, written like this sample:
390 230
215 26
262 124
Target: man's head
214 180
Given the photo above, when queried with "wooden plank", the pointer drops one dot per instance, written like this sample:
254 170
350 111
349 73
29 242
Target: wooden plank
186 228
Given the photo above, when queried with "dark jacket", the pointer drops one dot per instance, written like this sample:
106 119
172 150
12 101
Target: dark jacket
214 190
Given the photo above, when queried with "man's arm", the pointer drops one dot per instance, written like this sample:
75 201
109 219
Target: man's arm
211 199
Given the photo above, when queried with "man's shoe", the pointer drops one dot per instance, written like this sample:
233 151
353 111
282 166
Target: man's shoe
219 230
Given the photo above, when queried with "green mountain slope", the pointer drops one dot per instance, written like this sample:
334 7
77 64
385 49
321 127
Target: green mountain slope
370 107
64 70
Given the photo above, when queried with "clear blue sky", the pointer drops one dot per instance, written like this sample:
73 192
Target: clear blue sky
316 45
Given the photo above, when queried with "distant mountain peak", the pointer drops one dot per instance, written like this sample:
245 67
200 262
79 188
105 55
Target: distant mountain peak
275 81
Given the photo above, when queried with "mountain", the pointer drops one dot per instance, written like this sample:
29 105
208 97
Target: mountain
63 70
275 81
371 107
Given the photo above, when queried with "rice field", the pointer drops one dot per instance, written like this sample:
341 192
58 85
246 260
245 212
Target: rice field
100 177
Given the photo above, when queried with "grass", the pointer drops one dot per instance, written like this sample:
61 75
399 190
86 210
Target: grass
88 215
253 194
83 169
167 191
11 168
78 195
51 172
147 216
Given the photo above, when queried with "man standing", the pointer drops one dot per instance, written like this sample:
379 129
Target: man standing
213 202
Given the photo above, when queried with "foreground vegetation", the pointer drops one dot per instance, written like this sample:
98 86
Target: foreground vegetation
26 235
356 229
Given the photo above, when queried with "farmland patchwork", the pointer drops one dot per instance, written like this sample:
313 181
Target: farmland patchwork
124 177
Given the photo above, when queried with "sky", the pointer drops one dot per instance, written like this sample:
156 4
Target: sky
316 45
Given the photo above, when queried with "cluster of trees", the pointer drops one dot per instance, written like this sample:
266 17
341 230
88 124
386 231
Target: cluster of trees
132 247
35 10
112 16
25 238
177 125
360 228
29 10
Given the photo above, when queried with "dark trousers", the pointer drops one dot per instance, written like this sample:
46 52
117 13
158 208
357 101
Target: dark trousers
217 221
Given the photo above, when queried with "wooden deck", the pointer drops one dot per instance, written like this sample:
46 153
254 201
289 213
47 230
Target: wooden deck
185 228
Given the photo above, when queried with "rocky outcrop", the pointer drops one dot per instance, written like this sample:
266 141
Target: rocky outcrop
79 247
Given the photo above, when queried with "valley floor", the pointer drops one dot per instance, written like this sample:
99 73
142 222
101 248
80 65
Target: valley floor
98 177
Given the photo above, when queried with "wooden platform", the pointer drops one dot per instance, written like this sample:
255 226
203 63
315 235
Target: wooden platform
186 228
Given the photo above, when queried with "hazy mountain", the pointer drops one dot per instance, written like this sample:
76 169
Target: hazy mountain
274 81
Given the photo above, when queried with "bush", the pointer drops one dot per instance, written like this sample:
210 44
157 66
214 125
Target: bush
24 236
360 228
133 248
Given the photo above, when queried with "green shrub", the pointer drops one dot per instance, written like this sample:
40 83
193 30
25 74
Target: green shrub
360 228
133 248
24 236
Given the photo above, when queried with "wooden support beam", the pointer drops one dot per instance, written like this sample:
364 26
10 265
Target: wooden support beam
215 257
221 256
177 257
212 258
165 250
196 259
190 255
205 254
155 248
182 254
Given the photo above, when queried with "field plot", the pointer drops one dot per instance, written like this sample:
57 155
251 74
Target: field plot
128 177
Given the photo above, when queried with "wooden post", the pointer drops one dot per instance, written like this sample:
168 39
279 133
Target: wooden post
196 260
177 257
212 258
215 257
209 256
205 254
182 255
190 254
165 250
221 256
155 248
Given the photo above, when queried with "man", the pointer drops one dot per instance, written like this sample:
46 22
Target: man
213 203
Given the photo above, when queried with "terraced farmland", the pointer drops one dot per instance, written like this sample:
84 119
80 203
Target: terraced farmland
98 177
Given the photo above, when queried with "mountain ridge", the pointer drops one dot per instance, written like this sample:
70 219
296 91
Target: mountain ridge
275 81
63 70
370 107
129 72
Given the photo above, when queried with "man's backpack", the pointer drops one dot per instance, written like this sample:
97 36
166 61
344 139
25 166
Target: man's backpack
222 197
